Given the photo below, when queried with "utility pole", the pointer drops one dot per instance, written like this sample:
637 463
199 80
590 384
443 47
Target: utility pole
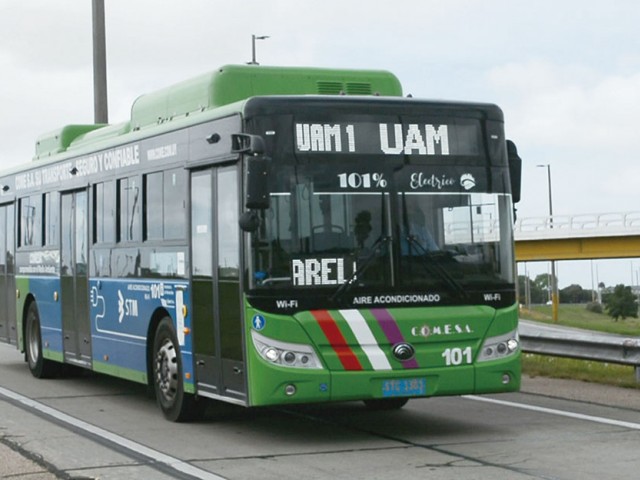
100 109
553 284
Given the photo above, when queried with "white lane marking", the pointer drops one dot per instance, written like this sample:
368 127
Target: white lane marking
367 341
562 413
154 455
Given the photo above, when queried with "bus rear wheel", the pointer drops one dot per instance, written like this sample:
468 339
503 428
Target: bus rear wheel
38 365
176 405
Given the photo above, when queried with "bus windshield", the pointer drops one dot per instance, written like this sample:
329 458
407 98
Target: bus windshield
339 226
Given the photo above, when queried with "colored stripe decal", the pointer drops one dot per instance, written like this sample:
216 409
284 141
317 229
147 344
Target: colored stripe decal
392 331
336 339
369 344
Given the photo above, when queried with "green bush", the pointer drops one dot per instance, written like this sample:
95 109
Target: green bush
595 307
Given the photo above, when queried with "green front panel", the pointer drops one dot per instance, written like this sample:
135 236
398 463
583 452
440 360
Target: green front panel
434 332
427 329
489 375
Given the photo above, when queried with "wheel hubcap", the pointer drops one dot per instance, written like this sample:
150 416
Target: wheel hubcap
167 370
34 342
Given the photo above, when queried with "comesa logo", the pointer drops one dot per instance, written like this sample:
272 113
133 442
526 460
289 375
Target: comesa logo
467 181
439 330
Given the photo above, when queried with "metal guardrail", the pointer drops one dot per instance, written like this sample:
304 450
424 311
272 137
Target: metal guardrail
582 225
617 224
583 344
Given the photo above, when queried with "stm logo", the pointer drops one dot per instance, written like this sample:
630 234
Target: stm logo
127 307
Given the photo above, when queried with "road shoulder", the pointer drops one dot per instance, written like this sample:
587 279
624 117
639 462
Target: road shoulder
16 464
582 391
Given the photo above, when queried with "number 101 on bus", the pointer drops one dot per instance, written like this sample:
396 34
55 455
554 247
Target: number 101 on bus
362 180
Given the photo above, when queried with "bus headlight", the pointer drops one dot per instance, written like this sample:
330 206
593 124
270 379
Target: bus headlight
502 346
285 354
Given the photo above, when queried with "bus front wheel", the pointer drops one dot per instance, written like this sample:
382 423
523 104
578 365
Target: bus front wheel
176 405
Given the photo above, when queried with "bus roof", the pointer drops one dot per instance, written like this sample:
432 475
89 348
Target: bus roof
221 87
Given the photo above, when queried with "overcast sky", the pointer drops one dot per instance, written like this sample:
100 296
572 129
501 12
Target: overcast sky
566 74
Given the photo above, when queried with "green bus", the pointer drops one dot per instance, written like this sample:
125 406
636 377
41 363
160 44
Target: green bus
268 236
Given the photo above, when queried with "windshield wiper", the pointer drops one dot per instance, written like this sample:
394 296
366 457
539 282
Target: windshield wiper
270 280
376 249
435 268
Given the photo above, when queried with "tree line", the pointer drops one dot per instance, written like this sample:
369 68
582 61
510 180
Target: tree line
618 302
536 291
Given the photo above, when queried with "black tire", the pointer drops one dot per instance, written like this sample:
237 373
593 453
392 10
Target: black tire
176 405
38 365
386 403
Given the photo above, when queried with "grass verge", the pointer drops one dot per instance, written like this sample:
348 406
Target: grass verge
586 370
577 315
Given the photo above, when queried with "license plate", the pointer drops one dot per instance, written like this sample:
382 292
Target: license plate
405 387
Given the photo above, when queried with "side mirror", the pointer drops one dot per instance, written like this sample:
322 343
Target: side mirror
247 143
258 183
515 170
249 221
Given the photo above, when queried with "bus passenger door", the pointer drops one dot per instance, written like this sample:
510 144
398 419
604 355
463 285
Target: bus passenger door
8 331
74 259
215 264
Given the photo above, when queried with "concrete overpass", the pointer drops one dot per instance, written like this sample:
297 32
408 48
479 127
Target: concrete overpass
578 237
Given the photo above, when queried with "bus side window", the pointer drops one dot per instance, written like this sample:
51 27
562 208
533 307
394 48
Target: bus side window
175 204
129 200
104 204
30 221
51 224
164 205
153 214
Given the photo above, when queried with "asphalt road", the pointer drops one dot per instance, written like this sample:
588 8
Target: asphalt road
92 426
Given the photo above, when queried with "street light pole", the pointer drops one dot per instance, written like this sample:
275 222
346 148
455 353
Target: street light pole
253 48
100 109
553 282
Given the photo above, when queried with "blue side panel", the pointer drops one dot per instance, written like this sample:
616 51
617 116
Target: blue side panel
121 310
49 309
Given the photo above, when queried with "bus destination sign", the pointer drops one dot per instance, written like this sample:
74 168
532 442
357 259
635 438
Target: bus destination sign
427 139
